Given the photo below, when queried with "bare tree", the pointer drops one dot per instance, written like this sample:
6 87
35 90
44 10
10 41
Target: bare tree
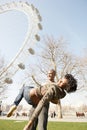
54 54
84 70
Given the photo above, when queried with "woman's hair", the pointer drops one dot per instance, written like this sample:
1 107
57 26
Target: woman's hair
72 83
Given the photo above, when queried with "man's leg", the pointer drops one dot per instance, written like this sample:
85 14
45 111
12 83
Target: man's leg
43 118
34 126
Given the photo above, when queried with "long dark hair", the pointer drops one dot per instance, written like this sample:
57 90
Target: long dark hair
72 83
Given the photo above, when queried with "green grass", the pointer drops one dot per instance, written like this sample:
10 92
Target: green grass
67 126
19 125
12 125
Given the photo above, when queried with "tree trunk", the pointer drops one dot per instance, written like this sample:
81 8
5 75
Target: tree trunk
59 109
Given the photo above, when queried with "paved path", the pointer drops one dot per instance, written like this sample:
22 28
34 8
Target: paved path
69 119
64 119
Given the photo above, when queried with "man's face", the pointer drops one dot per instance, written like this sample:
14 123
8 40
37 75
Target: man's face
62 82
51 75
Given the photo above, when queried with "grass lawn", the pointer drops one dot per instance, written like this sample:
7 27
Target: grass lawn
18 125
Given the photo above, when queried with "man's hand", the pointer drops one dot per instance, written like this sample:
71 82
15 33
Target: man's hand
28 126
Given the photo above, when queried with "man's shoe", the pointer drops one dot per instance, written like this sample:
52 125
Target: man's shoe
12 109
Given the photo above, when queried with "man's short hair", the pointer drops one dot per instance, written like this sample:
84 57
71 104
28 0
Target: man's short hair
52 70
72 83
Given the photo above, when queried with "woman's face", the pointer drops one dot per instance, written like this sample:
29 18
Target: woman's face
62 82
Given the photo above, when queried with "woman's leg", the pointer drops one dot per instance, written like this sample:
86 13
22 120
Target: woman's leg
16 102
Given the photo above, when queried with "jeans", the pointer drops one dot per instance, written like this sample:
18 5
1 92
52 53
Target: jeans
24 93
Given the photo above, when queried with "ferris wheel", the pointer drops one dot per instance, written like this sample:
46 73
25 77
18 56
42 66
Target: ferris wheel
31 38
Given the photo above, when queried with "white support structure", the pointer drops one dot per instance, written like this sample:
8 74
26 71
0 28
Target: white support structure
31 38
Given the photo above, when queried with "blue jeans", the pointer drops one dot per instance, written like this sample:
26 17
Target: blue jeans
24 93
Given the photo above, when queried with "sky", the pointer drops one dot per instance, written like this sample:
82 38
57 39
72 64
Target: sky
67 18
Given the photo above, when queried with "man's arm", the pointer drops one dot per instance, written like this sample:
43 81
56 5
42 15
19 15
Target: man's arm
38 84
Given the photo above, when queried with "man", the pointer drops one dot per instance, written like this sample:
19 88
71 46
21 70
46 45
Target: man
43 116
39 96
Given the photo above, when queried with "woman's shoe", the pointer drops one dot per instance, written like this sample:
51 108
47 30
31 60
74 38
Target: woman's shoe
12 109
